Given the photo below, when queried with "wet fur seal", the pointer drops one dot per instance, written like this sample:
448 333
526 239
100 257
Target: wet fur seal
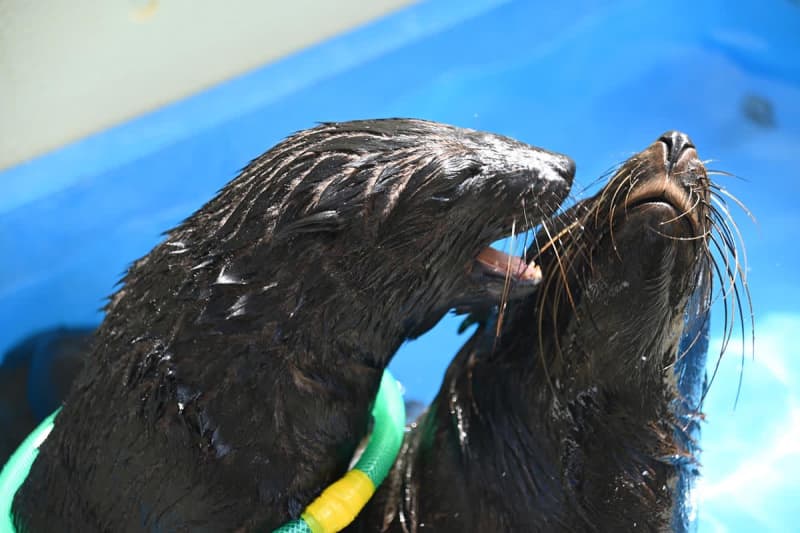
568 411
232 376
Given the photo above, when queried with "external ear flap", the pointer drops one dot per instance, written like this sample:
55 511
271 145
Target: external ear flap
322 222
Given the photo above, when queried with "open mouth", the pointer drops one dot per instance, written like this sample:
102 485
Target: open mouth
496 277
496 265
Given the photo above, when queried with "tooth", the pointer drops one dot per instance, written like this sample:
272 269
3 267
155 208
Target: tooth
532 272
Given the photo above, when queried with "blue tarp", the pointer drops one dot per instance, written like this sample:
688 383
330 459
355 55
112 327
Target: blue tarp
598 80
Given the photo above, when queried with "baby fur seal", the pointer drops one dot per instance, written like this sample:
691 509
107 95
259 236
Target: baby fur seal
232 377
568 415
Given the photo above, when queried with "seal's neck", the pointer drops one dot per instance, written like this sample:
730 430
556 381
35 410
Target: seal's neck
596 456
535 459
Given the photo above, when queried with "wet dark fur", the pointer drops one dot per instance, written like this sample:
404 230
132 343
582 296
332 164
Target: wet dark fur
232 377
566 420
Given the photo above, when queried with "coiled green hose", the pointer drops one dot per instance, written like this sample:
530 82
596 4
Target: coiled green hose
332 511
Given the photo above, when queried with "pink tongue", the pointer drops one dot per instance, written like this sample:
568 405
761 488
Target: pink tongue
502 264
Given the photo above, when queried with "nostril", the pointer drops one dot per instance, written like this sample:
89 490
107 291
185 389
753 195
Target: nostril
676 143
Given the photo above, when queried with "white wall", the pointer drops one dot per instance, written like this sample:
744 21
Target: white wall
72 67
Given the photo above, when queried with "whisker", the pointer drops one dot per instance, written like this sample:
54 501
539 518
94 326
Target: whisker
726 239
601 178
676 238
611 211
730 285
729 221
721 261
561 269
727 332
685 212
551 279
552 239
698 335
716 172
729 195
506 285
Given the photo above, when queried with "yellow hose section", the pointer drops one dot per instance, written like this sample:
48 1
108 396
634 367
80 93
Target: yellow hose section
339 504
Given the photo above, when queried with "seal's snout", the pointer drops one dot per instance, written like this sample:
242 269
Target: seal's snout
676 143
668 172
564 167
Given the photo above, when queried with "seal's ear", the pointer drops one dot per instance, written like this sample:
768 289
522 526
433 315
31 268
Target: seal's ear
322 222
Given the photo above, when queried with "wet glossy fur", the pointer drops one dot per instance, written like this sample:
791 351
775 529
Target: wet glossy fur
566 421
232 377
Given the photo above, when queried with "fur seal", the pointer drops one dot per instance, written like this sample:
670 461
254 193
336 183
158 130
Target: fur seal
573 412
232 376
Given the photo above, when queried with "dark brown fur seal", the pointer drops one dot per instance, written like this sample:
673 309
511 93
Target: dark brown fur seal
232 377
567 416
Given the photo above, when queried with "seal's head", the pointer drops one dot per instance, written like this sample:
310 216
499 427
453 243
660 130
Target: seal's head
620 268
569 411
396 214
240 356
620 271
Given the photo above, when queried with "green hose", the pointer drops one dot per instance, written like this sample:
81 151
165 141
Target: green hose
340 503
17 468
333 510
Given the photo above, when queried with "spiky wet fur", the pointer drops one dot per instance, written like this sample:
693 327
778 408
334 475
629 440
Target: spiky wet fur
568 417
232 377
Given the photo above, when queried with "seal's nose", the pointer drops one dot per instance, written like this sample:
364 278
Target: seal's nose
564 166
676 143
